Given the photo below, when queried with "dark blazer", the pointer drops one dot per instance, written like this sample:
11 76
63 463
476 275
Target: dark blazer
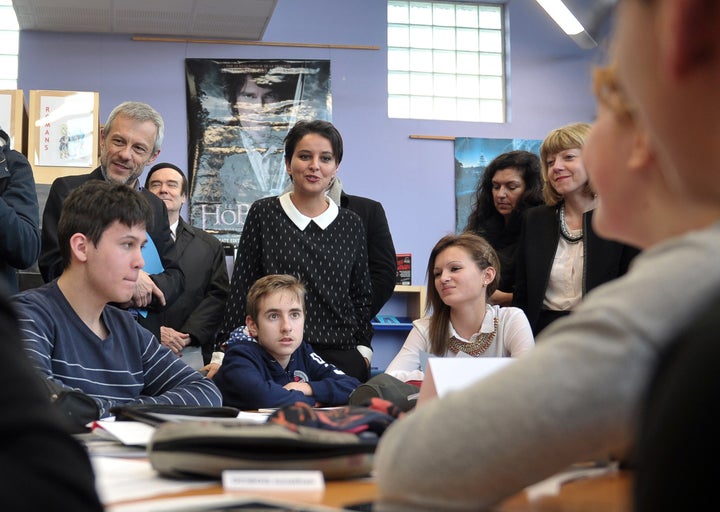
199 310
171 281
19 215
604 260
382 260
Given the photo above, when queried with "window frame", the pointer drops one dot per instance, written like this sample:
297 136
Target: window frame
431 81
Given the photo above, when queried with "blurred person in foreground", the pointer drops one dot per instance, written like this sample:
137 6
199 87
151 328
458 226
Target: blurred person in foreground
578 395
36 450
668 59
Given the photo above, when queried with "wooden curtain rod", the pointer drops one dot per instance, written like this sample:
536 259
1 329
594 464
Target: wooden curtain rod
251 43
433 137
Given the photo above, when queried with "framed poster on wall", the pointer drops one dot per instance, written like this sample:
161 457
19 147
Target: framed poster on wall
12 111
472 155
63 133
239 112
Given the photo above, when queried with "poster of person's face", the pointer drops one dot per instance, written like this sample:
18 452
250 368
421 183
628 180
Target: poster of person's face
239 113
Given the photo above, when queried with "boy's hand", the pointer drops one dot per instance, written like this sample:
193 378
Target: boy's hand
210 369
304 387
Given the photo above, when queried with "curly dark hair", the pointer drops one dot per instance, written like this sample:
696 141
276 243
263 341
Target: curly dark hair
484 219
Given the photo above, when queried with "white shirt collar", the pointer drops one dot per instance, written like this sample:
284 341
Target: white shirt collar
488 325
301 221
173 228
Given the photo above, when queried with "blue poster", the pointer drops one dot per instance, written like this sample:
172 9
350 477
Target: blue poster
472 155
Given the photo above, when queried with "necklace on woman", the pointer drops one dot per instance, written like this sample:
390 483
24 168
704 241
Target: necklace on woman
565 232
477 347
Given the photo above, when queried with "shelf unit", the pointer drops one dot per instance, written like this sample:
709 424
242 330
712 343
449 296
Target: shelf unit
406 304
414 298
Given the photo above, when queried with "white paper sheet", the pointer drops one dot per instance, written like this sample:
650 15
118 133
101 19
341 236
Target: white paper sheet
129 433
118 479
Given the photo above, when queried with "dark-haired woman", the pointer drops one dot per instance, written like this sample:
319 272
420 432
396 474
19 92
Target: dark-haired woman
510 185
305 234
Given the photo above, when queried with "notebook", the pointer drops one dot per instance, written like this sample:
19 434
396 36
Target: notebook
445 374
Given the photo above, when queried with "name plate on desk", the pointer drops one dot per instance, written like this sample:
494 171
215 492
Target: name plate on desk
244 480
445 374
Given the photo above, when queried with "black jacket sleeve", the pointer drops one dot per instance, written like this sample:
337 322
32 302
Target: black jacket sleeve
203 321
171 280
50 261
382 260
19 214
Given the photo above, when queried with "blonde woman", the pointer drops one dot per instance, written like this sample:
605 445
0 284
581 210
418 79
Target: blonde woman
560 257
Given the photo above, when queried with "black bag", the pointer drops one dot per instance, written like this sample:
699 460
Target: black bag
77 408
388 388
155 414
205 449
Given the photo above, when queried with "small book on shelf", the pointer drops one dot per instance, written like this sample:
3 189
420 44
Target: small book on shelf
404 269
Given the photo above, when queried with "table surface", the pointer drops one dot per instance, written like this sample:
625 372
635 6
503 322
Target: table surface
605 493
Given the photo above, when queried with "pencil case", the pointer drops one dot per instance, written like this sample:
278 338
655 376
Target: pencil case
205 449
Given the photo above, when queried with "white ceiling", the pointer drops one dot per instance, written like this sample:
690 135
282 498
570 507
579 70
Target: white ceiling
221 19
215 19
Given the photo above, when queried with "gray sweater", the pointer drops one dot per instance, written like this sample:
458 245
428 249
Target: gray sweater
576 397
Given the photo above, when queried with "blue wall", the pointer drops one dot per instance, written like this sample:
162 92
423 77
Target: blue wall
549 85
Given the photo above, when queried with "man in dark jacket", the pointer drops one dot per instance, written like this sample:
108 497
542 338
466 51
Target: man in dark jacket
188 327
19 214
129 141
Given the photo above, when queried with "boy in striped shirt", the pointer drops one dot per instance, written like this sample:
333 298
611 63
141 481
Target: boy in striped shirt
70 327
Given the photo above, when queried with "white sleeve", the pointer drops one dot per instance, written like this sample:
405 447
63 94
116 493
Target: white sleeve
517 334
406 364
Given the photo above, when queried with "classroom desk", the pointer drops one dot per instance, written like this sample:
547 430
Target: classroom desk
337 494
606 493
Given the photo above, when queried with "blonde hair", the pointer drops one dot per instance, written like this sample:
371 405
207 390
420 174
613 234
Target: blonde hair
561 139
609 93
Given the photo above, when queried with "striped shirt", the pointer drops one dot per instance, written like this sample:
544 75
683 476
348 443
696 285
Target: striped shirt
129 366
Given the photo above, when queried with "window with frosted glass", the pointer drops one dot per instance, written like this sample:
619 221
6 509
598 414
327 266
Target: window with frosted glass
9 37
446 61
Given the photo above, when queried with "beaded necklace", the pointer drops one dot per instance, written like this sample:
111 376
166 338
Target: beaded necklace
565 232
477 347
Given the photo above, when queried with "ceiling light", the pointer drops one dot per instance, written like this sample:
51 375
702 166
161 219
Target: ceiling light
559 12
567 21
